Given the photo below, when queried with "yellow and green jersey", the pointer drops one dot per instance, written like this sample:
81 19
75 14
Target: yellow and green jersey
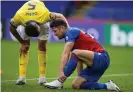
32 10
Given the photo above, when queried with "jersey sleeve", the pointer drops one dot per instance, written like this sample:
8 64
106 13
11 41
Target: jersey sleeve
72 35
48 16
15 21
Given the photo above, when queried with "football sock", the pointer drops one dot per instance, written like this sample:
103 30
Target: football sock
42 63
23 61
71 65
93 85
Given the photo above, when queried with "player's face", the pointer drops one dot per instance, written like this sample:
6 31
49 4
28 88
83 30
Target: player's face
59 32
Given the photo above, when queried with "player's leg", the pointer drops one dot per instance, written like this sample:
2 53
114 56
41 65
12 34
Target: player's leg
23 57
110 85
42 42
94 70
93 86
77 82
70 67
85 56
87 79
42 60
82 83
93 73
72 63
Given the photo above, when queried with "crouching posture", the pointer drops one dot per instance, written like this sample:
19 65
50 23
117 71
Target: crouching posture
81 48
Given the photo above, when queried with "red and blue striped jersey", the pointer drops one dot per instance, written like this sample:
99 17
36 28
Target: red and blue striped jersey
82 40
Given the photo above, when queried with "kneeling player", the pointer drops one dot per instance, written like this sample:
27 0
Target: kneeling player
86 50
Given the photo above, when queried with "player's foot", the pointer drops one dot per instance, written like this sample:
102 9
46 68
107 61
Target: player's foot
112 86
42 80
21 81
54 85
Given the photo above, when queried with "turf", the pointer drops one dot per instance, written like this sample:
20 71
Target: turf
121 63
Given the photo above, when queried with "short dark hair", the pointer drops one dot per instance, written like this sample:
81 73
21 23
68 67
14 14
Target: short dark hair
31 29
59 22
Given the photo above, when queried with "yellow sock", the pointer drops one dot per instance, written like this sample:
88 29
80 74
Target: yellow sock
42 63
23 61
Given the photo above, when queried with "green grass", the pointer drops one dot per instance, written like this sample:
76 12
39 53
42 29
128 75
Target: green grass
121 63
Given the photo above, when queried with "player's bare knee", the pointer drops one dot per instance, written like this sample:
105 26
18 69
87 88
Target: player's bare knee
26 42
76 52
24 51
42 45
75 85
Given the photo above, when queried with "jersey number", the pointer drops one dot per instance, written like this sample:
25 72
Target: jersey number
32 6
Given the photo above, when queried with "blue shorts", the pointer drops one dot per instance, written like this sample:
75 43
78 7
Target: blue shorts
100 64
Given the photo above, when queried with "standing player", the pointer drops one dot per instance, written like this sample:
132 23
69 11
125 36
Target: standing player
84 50
31 21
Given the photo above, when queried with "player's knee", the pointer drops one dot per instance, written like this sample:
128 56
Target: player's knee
26 42
42 45
76 52
24 50
75 85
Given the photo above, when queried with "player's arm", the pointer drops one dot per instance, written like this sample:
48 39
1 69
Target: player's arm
65 55
13 30
54 16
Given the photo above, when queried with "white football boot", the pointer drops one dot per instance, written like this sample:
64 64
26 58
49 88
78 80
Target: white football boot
112 86
42 80
21 81
54 85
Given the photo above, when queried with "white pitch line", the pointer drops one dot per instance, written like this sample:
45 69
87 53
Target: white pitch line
52 78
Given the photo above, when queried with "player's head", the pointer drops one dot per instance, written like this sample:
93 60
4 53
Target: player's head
59 27
32 29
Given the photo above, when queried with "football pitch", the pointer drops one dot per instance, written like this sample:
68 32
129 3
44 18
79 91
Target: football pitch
120 70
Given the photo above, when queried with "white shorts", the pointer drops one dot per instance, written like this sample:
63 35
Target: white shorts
44 32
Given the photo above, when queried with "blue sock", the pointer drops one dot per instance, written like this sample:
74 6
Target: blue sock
93 85
71 65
